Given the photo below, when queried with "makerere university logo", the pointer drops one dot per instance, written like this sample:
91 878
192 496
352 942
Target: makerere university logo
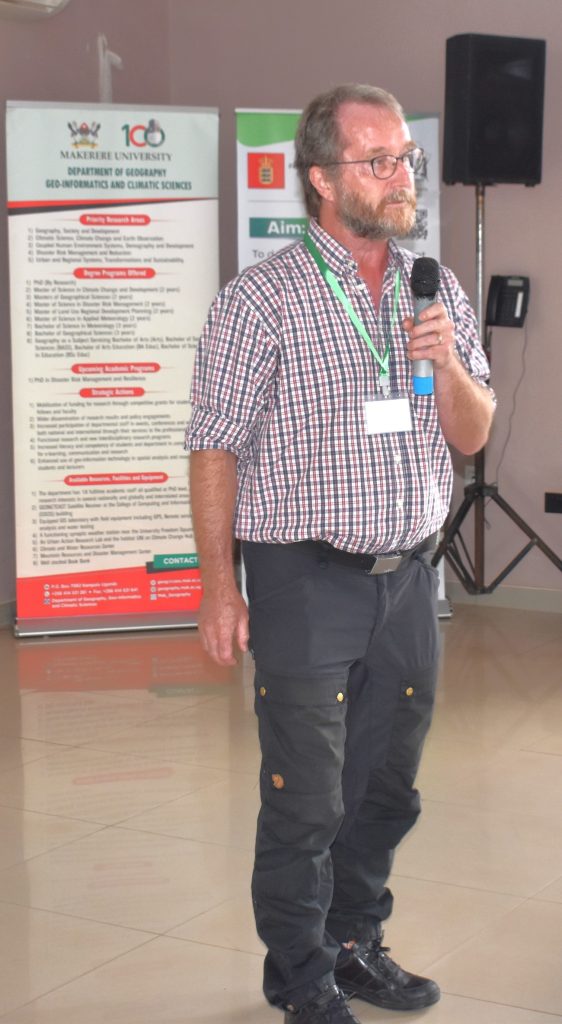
84 136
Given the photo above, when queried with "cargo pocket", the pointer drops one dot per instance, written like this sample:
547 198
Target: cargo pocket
411 722
302 736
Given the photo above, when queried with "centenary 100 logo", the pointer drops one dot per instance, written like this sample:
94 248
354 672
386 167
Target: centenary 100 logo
141 135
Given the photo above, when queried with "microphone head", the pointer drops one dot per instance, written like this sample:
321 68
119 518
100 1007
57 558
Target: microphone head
424 279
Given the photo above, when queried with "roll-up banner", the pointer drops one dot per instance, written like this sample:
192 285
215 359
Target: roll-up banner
271 211
113 235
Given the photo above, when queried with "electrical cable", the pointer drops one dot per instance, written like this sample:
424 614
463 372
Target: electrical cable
513 404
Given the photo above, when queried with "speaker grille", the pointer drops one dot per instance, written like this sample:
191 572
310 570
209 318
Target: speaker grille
494 94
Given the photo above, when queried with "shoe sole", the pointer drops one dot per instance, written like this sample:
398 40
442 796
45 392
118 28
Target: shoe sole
429 1000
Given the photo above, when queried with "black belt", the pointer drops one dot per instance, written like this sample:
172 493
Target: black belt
374 565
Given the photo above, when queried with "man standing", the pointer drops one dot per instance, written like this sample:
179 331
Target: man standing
308 445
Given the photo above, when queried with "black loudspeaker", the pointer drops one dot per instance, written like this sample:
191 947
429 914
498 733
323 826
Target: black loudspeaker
494 93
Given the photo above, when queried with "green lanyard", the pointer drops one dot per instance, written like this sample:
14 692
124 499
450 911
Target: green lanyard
334 284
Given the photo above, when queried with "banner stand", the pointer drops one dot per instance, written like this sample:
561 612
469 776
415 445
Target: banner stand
113 244
101 624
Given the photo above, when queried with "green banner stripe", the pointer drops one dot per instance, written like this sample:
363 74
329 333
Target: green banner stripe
261 129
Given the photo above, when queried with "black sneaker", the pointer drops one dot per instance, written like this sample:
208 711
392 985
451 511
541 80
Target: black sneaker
329 1008
369 973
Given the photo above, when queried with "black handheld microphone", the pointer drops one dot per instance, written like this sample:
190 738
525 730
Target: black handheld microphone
424 281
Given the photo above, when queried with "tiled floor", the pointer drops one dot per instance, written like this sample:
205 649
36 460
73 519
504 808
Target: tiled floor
128 799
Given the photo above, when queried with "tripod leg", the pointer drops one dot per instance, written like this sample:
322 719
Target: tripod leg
525 528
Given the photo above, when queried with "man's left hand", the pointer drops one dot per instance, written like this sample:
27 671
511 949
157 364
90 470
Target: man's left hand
433 338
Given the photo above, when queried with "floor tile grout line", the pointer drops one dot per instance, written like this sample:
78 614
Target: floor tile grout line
53 814
180 764
200 789
184 839
189 839
42 757
124 823
101 827
68 747
200 913
45 814
113 826
213 945
78 977
434 965
150 758
487 808
543 753
536 895
497 1002
81 917
467 888
121 822
78 746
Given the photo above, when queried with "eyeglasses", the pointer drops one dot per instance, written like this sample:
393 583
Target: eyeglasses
384 166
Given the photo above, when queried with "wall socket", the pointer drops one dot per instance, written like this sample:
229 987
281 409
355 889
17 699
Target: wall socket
469 474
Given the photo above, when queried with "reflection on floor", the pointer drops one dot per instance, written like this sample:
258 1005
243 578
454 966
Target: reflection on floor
128 798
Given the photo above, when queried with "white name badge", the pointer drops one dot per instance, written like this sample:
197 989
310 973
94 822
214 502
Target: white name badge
388 415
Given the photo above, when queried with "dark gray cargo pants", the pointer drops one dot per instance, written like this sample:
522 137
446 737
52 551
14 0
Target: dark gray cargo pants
346 666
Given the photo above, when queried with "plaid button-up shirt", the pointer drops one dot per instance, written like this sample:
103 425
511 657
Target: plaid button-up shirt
281 379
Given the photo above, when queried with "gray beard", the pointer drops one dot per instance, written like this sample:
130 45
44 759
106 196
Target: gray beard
365 222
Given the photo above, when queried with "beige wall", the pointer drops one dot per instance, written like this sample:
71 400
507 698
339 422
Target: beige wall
249 53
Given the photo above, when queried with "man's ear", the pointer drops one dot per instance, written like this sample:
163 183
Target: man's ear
322 182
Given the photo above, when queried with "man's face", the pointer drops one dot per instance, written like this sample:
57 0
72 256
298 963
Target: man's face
367 206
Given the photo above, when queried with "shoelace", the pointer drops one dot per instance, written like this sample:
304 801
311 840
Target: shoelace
331 1008
334 1007
374 952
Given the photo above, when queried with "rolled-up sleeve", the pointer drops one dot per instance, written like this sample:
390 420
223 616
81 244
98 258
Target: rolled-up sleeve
233 375
467 341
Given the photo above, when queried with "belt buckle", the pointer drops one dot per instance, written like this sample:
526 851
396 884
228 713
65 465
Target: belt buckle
385 563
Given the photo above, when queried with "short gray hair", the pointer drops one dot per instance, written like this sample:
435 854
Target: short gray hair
318 141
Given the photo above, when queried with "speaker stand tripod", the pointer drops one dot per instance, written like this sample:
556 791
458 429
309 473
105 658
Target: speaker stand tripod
452 546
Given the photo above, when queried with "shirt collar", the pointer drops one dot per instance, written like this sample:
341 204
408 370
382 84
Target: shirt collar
340 259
